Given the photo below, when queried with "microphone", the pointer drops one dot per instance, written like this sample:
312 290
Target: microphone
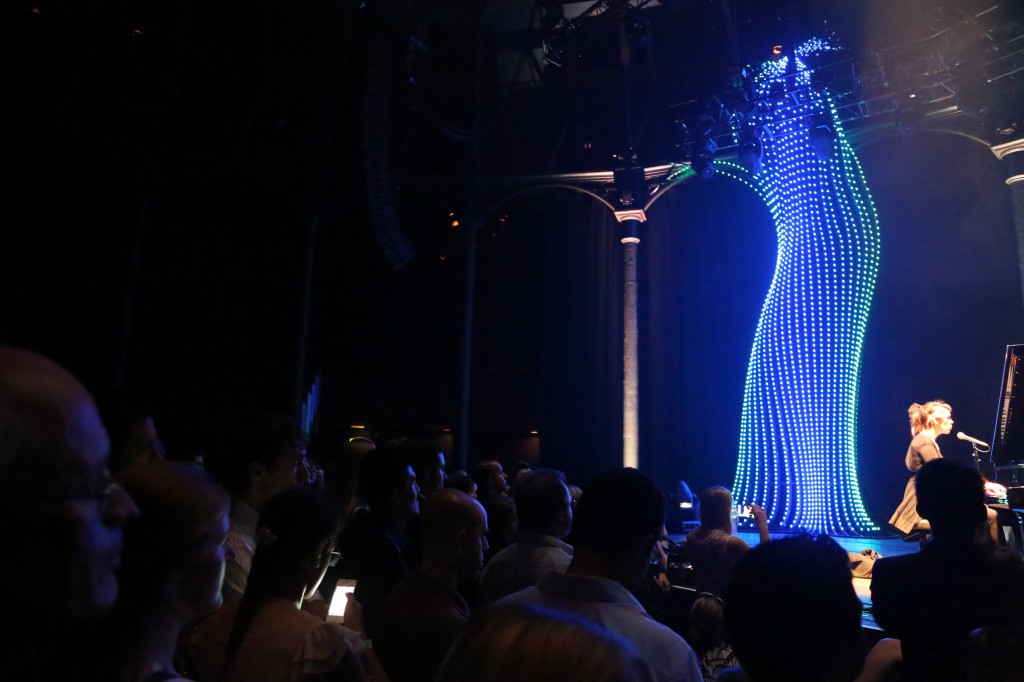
963 436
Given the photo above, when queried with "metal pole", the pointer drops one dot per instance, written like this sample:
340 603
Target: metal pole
630 364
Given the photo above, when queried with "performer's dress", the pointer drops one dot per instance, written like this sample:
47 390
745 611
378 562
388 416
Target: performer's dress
922 449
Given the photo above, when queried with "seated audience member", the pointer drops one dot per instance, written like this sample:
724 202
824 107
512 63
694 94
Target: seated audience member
544 508
492 491
996 653
706 634
791 612
266 635
521 467
376 544
428 464
617 522
931 600
530 643
129 424
171 570
422 615
460 480
63 516
343 472
712 548
883 662
259 455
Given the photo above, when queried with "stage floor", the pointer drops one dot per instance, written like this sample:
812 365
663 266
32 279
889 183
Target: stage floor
886 547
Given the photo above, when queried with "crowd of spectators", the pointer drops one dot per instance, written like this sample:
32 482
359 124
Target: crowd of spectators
223 569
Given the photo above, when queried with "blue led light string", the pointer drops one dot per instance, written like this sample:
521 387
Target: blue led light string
797 449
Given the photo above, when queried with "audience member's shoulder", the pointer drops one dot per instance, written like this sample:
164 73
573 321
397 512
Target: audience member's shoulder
326 645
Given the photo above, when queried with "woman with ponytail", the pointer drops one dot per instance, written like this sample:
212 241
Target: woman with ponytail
266 636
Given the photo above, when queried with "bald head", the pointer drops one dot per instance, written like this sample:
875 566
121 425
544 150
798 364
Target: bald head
47 421
454 526
53 458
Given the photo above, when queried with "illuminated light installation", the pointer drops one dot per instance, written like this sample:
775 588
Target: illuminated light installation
797 450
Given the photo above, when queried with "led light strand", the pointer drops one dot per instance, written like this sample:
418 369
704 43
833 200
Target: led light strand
797 449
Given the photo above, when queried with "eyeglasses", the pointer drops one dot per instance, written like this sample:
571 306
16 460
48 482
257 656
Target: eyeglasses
105 492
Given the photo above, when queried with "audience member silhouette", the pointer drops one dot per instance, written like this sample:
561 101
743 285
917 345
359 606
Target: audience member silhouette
171 570
711 548
492 491
129 423
266 635
617 522
422 615
544 509
706 634
259 455
791 612
931 600
428 464
376 544
460 480
63 516
531 643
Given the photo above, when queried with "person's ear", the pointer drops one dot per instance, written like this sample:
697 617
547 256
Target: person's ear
257 470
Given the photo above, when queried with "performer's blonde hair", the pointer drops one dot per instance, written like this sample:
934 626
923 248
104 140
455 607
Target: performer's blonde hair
923 416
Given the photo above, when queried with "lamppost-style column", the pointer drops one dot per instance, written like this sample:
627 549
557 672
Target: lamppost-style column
630 220
1012 156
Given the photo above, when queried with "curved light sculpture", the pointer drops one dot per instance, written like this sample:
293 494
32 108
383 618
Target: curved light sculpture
797 449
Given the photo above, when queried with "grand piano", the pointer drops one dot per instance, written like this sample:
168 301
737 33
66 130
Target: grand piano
1007 454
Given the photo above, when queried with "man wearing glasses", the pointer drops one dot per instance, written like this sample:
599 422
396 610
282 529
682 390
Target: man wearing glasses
62 515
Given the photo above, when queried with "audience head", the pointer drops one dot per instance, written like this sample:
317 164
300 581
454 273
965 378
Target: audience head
543 503
618 520
387 484
453 527
792 613
706 623
129 423
460 480
259 455
529 642
928 416
294 544
56 493
951 496
521 467
295 539
716 509
428 463
490 478
174 553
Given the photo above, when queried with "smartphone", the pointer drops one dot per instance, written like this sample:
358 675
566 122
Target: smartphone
745 512
336 613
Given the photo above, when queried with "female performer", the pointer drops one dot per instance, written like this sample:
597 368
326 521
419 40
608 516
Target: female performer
927 422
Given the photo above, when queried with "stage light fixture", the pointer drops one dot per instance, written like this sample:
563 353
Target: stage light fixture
703 161
751 152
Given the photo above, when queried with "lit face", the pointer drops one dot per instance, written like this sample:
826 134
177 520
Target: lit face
431 478
87 526
499 479
943 420
203 571
408 495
